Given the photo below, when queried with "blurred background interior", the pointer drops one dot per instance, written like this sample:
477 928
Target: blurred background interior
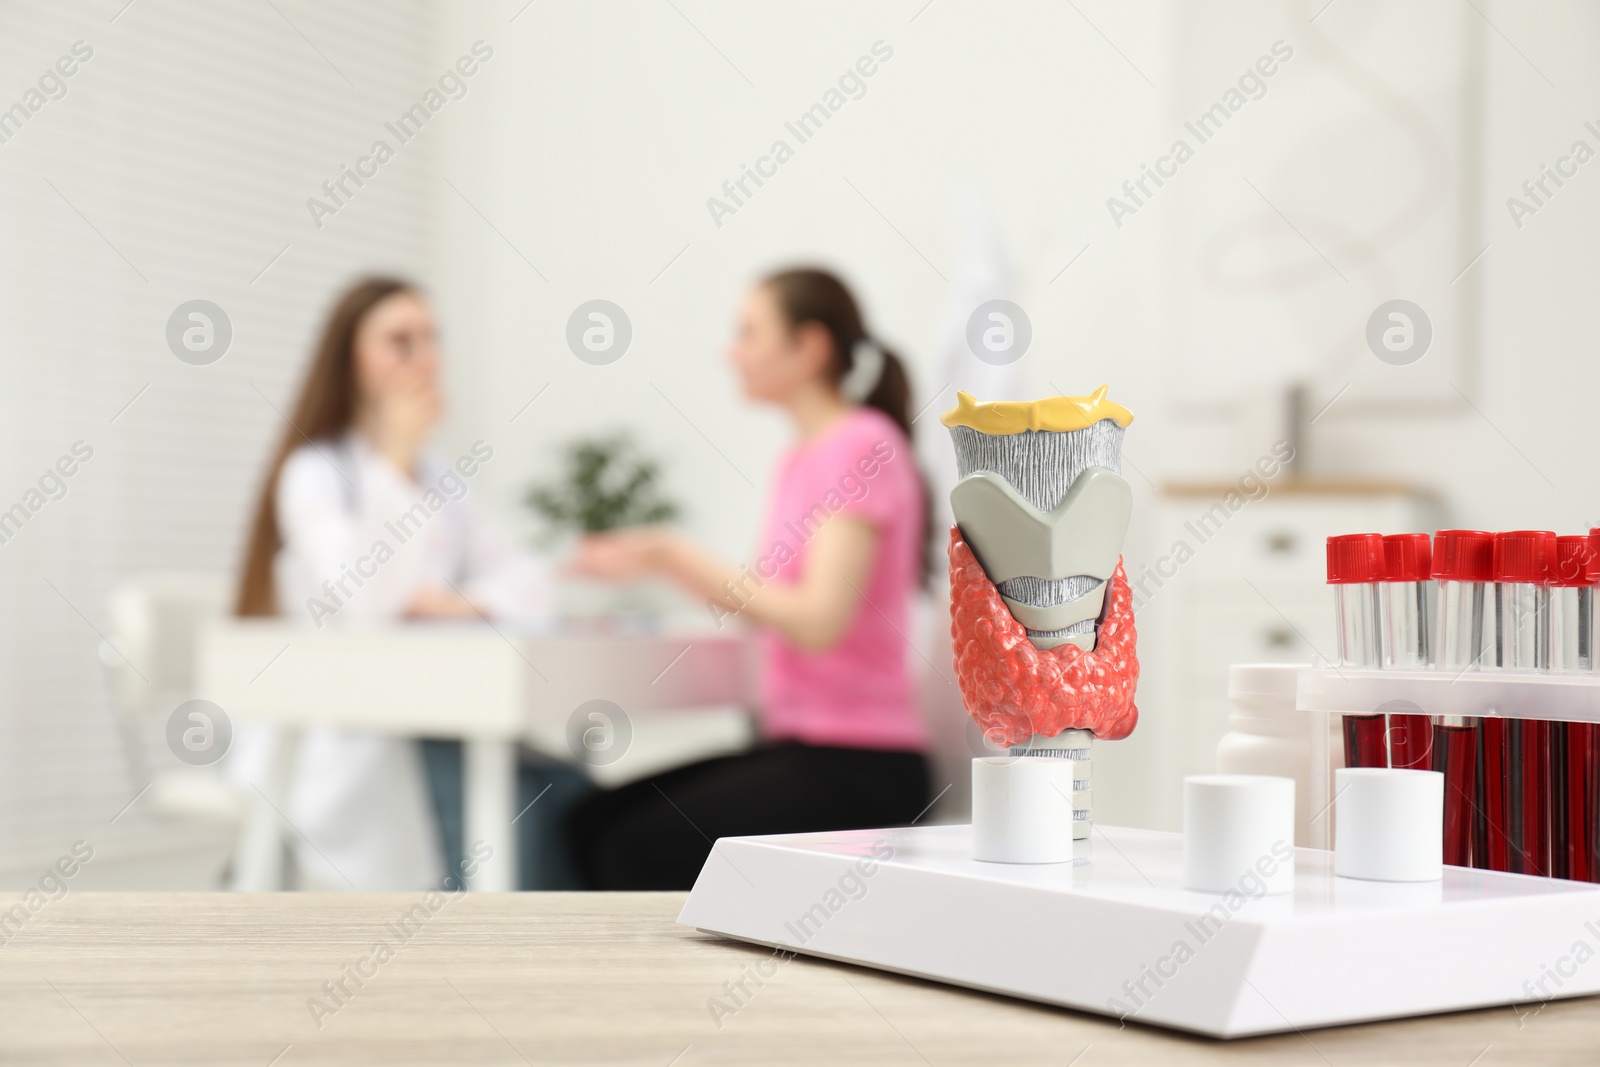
996 151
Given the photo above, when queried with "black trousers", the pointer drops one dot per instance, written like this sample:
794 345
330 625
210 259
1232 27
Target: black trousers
657 832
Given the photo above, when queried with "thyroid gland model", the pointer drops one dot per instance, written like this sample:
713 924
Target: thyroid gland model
1040 611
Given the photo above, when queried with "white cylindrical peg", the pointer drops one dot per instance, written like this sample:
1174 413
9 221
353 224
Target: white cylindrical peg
1022 809
1388 824
1238 833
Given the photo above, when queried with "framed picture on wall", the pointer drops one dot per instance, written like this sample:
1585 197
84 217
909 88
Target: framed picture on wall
1326 173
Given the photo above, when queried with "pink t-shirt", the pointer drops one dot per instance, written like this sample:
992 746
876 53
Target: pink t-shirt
857 694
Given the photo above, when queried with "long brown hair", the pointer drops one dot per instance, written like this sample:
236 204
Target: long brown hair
807 294
326 408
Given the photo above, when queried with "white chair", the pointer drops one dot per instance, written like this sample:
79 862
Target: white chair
150 659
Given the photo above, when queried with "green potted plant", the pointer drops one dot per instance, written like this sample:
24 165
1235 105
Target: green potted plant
605 483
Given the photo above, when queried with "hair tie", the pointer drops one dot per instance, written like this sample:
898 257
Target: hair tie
866 367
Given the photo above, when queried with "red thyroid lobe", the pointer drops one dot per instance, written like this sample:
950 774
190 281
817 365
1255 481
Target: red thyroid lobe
1013 690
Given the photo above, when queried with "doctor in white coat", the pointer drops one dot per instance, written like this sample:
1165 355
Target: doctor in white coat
356 526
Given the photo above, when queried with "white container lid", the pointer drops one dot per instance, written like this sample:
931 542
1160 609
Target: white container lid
1262 696
1264 681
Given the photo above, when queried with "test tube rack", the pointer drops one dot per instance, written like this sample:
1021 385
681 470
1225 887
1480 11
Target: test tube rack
1481 694
1327 692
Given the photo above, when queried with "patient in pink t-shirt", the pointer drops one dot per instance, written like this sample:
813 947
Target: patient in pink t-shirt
856 693
841 555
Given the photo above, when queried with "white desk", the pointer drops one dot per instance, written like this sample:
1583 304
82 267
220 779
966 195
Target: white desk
491 688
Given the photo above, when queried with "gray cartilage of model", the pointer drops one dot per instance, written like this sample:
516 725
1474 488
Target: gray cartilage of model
1056 594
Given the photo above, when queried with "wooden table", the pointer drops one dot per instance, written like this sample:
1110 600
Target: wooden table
493 687
557 978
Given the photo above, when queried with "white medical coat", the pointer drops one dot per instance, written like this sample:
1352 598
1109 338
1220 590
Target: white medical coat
360 538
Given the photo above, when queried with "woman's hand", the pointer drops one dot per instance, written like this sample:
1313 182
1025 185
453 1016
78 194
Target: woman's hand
440 602
625 555
814 612
399 420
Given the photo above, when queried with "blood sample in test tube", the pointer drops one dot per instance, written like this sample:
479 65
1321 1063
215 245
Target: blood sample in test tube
1586 860
1355 571
1524 561
1582 797
1491 845
1405 642
1463 566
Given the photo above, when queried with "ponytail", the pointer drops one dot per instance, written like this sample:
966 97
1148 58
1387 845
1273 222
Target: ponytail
811 295
891 393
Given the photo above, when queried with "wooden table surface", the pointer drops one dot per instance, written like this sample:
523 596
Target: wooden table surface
566 978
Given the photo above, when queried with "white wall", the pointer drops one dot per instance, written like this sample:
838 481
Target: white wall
611 124
176 166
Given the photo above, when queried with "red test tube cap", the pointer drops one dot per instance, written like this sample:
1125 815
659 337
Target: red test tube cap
1407 557
1574 561
1354 558
1463 556
1524 556
1594 554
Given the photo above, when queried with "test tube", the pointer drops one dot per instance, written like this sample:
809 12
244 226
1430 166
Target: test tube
1405 603
1463 565
1355 570
1583 768
1571 651
1523 563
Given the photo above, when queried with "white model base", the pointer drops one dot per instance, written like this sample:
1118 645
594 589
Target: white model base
1113 931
